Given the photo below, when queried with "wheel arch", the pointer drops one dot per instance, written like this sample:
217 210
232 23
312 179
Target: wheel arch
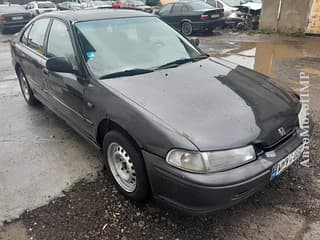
106 125
185 20
17 67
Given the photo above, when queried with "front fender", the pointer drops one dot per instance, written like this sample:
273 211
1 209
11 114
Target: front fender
149 131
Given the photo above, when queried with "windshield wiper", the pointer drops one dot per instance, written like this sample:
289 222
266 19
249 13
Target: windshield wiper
131 72
178 62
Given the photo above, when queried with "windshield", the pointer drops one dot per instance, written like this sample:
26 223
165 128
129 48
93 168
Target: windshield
199 5
46 5
115 45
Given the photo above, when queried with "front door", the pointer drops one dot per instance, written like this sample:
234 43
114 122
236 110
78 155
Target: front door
65 90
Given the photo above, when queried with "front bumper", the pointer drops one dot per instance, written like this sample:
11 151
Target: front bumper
206 193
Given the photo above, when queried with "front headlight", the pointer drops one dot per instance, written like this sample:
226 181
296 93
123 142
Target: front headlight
205 162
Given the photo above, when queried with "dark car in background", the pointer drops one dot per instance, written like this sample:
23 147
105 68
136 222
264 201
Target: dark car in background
192 16
197 132
13 17
152 2
69 6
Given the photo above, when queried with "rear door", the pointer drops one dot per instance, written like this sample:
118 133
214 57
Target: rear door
32 56
65 90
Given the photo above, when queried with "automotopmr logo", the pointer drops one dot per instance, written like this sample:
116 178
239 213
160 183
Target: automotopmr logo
304 117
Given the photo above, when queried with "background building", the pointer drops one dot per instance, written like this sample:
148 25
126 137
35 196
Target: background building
291 16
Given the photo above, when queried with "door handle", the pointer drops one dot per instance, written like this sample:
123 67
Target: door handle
45 71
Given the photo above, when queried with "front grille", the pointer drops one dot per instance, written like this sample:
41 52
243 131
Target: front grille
260 148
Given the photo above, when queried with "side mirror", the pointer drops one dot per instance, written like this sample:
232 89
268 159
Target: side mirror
195 41
59 64
156 12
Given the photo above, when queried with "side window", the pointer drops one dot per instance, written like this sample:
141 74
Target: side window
184 8
213 3
177 8
25 35
59 42
37 34
166 10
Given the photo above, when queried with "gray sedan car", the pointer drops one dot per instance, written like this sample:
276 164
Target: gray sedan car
196 132
13 17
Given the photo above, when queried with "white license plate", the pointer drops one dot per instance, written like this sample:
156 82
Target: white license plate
286 162
17 18
215 15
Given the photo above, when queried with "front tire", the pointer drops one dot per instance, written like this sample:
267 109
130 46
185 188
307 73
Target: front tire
125 165
26 90
186 28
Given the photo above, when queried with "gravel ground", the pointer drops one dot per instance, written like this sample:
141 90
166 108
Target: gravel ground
95 210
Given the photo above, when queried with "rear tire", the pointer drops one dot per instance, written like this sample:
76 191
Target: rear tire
186 28
26 90
125 165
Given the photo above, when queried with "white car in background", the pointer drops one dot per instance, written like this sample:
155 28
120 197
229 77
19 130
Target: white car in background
227 5
36 8
98 4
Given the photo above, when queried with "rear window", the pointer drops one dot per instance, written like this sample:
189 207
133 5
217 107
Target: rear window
46 5
6 8
199 5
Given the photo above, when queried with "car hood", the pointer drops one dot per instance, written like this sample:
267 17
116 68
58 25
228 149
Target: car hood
213 103
253 6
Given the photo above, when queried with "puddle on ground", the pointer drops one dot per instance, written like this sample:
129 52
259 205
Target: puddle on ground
268 57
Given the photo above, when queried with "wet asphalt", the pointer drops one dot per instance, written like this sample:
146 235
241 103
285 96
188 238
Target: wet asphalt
47 167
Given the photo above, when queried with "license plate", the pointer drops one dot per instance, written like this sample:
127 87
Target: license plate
279 167
215 15
17 18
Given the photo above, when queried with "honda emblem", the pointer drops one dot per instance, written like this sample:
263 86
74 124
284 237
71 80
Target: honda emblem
282 131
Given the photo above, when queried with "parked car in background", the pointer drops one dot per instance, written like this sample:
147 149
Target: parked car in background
137 5
98 4
232 14
69 6
196 132
36 8
225 4
152 2
119 3
192 16
240 14
83 3
13 17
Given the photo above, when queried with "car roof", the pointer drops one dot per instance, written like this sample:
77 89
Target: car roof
96 14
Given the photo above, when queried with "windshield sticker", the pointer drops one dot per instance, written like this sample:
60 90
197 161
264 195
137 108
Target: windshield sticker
90 54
